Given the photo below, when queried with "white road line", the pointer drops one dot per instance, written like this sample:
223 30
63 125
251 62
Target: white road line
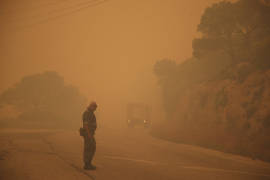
134 160
223 170
198 168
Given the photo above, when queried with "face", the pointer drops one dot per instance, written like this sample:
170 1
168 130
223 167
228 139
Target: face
92 108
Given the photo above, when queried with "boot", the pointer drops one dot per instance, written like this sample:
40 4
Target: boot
92 167
89 166
86 166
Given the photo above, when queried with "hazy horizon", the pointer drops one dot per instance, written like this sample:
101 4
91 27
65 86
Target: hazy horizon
94 48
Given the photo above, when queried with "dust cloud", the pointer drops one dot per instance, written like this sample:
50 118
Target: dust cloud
199 70
179 85
107 51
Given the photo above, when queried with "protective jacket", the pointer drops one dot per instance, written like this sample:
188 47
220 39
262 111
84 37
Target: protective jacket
89 119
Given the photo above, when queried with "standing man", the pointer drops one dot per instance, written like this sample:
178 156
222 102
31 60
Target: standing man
89 126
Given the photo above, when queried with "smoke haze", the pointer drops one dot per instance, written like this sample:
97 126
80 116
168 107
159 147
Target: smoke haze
108 51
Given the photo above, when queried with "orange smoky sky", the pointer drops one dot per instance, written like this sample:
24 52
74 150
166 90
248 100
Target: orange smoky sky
108 51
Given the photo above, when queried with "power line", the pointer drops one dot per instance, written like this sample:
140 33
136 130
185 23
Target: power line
62 15
38 14
5 13
71 7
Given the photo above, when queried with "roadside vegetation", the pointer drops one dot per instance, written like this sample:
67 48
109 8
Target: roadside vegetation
220 98
41 101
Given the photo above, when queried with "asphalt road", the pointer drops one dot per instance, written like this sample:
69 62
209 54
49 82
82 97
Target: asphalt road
128 154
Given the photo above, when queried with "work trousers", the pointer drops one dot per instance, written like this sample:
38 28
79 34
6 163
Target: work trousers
89 149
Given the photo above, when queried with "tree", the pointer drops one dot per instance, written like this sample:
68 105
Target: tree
252 24
234 28
165 70
164 67
45 100
217 26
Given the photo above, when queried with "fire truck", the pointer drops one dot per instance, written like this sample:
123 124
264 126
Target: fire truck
138 114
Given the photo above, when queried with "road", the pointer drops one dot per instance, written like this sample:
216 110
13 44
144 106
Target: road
127 154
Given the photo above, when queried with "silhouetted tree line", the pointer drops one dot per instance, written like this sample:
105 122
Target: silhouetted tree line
234 45
43 101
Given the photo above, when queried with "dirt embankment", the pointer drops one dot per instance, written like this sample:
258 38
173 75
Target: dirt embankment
231 115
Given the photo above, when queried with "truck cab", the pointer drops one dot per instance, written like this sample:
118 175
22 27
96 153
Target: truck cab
138 114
